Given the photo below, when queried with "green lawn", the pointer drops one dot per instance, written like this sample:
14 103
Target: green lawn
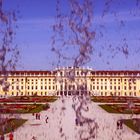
38 108
133 124
119 108
108 108
11 125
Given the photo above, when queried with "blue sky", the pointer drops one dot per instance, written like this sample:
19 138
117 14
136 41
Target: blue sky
34 34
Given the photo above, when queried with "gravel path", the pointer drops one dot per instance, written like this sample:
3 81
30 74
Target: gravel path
61 124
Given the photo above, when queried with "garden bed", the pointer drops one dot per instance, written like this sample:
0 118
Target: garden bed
115 99
29 99
22 108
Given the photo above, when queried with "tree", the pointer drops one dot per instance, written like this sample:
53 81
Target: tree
8 51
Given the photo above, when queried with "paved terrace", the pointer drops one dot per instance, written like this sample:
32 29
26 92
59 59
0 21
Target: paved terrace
51 131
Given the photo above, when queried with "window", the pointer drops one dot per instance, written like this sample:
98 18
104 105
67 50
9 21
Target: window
101 87
124 87
77 73
125 94
118 87
17 87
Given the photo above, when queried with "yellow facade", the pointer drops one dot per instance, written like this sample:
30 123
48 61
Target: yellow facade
69 80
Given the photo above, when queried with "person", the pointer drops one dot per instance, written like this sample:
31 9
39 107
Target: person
121 124
47 120
76 121
2 137
11 136
118 124
39 116
81 123
36 116
33 138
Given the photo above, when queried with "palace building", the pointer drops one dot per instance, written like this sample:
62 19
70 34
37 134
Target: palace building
70 80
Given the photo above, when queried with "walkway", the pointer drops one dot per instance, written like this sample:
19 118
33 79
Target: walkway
61 124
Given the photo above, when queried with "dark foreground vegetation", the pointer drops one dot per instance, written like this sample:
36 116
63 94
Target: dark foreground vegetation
8 125
134 124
